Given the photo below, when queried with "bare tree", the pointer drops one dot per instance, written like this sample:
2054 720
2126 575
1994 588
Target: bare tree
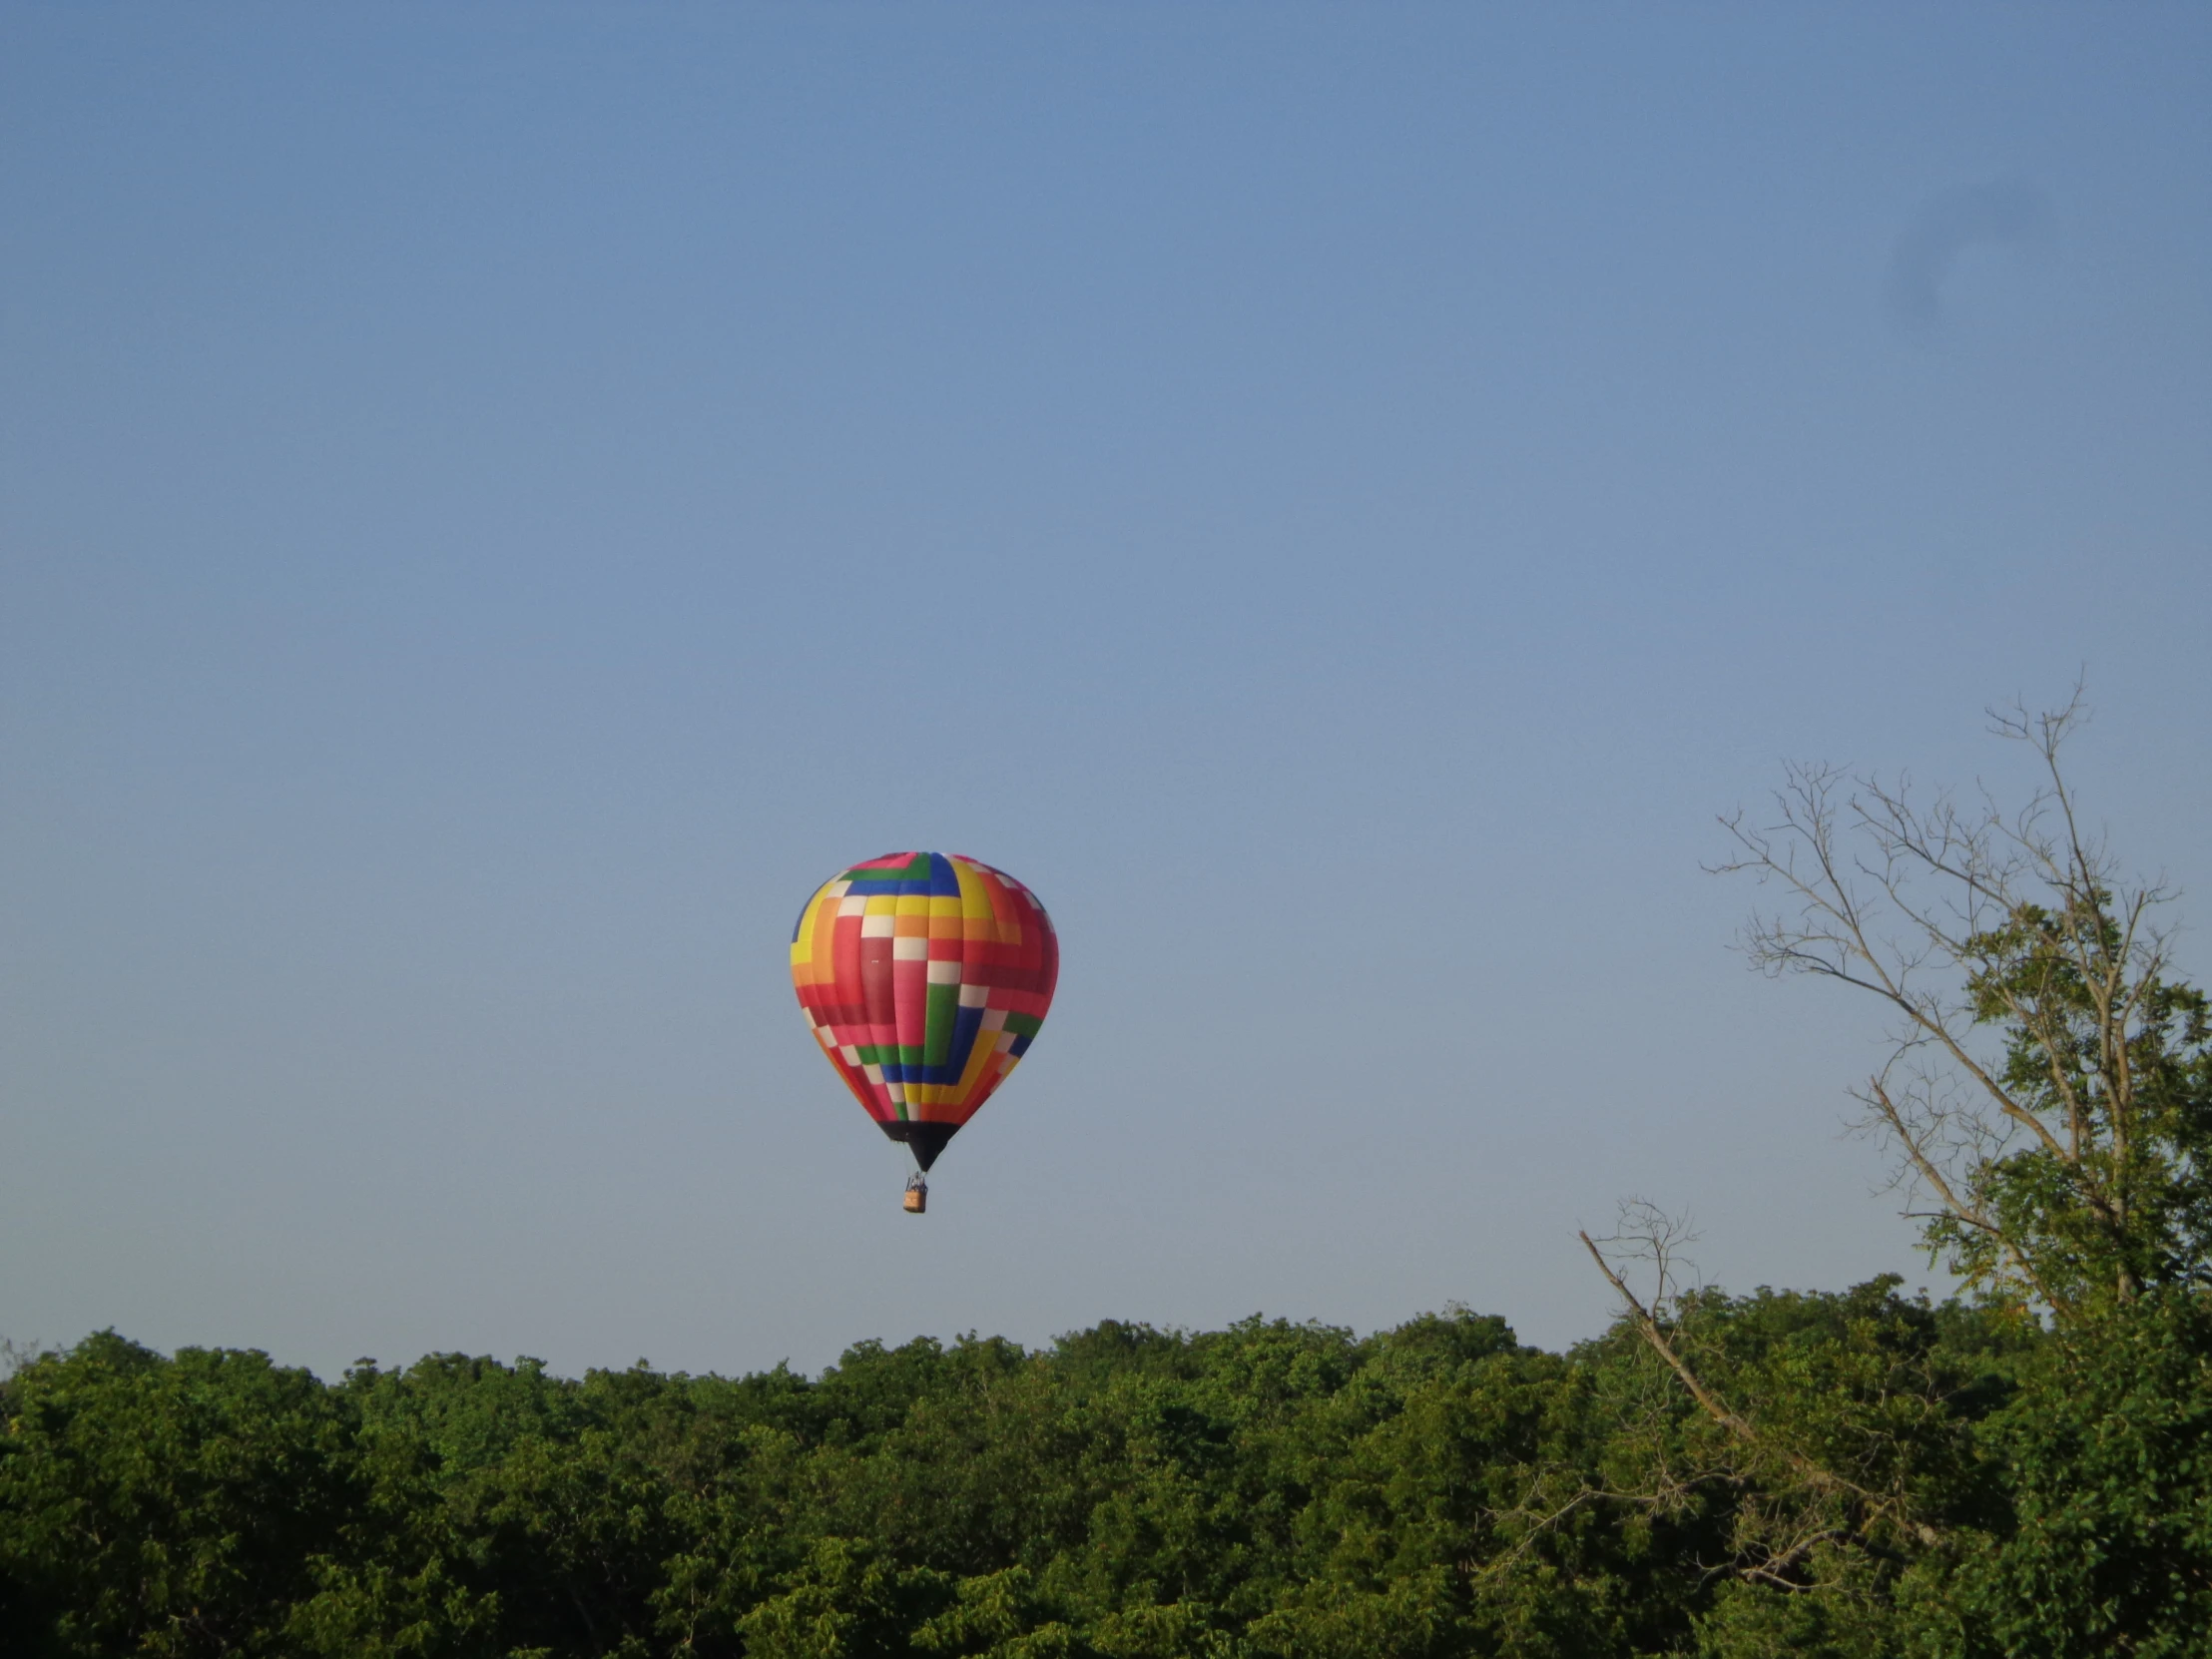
1790 1494
2046 1098
2044 1094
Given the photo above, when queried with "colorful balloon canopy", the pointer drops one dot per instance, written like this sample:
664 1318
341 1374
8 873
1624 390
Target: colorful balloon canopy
924 976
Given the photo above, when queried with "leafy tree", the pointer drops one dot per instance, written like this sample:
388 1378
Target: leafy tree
169 1506
847 1600
2105 1455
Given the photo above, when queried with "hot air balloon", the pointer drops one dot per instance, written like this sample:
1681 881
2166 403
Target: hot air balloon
924 977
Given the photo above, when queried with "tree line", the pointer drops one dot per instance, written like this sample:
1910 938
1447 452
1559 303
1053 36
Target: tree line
2022 1468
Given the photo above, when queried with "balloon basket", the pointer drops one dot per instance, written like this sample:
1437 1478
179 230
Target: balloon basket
918 1198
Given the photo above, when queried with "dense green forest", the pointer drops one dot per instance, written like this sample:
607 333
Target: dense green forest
2023 1469
1268 1489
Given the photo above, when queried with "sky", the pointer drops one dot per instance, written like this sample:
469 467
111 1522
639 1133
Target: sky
498 502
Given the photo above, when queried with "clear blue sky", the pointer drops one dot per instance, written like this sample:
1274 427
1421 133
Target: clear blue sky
496 502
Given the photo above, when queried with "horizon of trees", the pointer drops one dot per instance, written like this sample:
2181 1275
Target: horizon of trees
2022 1468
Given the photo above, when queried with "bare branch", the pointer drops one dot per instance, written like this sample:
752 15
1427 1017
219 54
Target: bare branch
1649 1327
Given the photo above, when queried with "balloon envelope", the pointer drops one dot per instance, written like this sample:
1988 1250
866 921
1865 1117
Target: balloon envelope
924 976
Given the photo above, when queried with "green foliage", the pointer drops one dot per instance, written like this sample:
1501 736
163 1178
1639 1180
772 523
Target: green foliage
1929 1480
2119 1197
2107 1455
167 1506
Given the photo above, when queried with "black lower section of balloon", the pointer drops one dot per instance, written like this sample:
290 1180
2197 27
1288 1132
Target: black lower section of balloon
927 1139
